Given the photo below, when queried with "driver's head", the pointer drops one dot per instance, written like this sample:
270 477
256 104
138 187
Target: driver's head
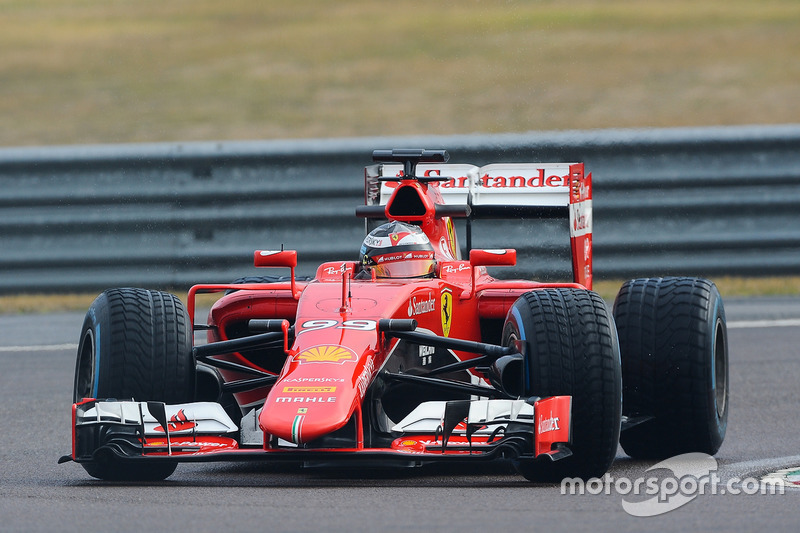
398 250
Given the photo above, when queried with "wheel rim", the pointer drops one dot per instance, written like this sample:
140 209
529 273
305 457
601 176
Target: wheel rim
84 370
512 341
720 370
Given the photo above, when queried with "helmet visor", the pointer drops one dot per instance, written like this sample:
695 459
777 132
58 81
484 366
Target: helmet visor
405 268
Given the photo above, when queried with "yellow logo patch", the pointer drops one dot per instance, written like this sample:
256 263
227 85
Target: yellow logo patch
447 311
309 390
326 354
451 236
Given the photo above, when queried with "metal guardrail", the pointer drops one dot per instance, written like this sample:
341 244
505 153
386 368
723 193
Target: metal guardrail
698 201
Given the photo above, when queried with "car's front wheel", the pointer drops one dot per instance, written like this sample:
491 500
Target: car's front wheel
571 348
135 344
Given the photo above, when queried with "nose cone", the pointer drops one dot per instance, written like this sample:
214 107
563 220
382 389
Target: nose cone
317 394
305 413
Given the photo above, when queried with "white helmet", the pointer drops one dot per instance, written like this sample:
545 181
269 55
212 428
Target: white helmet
398 250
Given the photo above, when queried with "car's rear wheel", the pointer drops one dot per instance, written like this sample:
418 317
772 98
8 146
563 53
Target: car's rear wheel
571 348
673 340
135 344
264 279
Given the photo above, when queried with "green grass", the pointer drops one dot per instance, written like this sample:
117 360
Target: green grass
729 287
106 71
57 303
109 71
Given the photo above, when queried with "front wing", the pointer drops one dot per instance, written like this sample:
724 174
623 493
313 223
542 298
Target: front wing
435 431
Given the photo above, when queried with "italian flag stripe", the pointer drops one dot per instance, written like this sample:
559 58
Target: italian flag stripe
298 421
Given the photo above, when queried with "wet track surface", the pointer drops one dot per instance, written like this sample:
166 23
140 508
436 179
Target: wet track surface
36 367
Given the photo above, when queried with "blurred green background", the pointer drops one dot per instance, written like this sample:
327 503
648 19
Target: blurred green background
108 71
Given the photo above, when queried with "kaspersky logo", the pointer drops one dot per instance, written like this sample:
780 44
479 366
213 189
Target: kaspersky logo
178 422
326 354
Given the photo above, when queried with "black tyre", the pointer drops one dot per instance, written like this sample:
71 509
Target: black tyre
135 344
571 349
262 279
673 340
111 469
265 279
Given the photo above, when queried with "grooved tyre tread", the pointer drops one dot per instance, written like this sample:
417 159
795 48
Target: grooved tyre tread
135 344
572 349
673 341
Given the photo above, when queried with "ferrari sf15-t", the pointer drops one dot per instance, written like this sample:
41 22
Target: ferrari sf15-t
410 353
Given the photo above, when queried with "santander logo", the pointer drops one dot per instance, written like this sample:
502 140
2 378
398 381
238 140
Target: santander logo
532 179
421 306
548 424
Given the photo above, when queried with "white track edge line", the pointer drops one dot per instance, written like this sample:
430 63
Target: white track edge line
39 348
777 323
738 324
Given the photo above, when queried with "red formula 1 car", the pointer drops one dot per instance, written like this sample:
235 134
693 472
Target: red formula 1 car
412 354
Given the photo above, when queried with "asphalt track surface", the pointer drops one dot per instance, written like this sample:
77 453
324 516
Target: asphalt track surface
36 494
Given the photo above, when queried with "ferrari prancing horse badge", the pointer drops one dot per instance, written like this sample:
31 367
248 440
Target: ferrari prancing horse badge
447 311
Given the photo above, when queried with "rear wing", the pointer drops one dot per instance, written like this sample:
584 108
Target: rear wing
506 191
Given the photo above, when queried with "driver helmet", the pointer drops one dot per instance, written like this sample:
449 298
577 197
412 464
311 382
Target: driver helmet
398 250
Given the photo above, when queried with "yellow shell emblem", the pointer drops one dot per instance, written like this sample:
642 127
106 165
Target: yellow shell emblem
326 354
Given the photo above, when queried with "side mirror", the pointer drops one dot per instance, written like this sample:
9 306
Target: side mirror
480 258
281 258
501 257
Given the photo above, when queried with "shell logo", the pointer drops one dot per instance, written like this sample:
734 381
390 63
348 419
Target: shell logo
326 354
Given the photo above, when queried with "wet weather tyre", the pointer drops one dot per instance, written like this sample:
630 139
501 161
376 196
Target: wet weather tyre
570 346
135 344
112 470
674 346
264 279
